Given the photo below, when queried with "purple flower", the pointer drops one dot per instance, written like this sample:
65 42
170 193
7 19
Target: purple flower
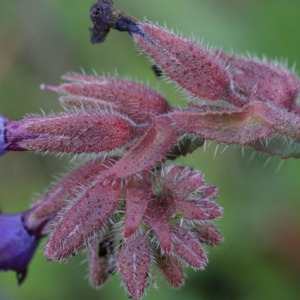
2 135
17 245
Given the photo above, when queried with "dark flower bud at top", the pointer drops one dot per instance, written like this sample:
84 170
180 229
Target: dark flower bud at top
101 16
104 17
2 135
17 245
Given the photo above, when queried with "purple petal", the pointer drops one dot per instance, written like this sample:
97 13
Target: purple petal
17 245
2 135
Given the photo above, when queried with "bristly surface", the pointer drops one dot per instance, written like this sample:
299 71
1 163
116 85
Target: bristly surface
138 212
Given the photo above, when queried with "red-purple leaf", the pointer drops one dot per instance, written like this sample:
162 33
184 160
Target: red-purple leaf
156 218
208 234
187 248
189 64
190 210
208 192
138 193
172 270
133 262
73 132
211 209
142 102
151 148
65 190
228 126
82 220
264 81
181 181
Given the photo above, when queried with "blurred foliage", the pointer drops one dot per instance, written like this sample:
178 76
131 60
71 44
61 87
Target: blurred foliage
41 40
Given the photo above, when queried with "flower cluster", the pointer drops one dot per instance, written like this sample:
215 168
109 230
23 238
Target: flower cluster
158 215
130 206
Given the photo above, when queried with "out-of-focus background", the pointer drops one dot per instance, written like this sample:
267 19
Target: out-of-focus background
41 40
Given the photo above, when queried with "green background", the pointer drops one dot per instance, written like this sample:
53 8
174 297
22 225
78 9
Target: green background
41 40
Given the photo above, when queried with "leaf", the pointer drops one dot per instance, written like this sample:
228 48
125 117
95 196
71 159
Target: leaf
208 234
138 194
193 67
156 218
187 248
64 191
133 261
142 102
82 220
172 270
75 132
150 149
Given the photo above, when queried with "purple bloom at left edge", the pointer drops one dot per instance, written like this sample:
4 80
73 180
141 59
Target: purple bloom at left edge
17 245
2 135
